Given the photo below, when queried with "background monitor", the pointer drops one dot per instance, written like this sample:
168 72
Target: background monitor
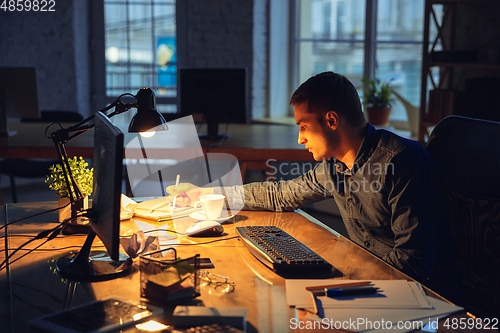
105 212
18 95
220 94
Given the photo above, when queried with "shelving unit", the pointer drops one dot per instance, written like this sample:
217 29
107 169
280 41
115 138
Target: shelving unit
439 101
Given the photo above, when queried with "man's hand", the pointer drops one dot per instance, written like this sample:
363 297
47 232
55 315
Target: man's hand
187 194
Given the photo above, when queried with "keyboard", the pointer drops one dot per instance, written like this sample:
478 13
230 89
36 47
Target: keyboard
280 251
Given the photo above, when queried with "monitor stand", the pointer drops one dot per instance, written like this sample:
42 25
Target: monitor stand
91 266
213 132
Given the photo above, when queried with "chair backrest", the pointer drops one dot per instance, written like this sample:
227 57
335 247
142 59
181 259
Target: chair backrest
56 115
467 154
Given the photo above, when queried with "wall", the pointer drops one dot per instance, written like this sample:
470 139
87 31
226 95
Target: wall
226 33
62 45
55 44
280 78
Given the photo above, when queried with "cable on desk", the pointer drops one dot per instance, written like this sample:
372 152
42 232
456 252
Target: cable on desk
38 214
31 236
59 248
50 234
183 234
167 230
58 229
13 261
212 241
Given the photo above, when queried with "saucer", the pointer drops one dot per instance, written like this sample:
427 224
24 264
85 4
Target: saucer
198 216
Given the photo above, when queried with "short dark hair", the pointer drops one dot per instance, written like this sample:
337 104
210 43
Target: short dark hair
330 91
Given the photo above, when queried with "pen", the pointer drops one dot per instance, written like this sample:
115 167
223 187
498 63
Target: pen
337 292
161 204
177 180
339 285
317 307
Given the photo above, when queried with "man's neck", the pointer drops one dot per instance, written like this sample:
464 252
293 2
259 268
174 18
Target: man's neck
352 140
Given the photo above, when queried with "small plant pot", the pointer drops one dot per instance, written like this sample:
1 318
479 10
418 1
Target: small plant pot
378 116
65 212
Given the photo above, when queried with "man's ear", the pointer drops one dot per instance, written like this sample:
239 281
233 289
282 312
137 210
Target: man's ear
332 119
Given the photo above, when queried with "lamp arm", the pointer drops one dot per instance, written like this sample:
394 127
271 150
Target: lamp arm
74 191
67 134
63 135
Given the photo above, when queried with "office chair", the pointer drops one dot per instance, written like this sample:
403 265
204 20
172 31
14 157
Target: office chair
35 168
412 112
467 154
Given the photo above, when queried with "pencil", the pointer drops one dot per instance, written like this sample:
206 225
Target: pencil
160 205
177 180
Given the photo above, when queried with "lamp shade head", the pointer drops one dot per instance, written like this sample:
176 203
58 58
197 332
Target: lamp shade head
147 118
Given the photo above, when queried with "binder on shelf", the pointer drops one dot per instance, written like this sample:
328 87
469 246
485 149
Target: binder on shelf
441 103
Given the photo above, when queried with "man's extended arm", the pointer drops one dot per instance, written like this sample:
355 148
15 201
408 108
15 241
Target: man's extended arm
282 195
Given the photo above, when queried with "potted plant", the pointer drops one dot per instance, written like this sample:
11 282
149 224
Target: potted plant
378 100
84 178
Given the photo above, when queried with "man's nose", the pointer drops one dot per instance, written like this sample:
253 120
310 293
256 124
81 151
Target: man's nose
301 140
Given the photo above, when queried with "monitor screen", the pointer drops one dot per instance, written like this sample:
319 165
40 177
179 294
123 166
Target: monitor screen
18 95
108 169
20 91
219 94
104 216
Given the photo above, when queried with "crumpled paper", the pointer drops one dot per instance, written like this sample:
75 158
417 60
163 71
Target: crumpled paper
138 244
127 207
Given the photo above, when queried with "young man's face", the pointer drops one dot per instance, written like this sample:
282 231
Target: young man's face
314 133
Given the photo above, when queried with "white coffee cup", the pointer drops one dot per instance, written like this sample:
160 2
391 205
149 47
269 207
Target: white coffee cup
211 205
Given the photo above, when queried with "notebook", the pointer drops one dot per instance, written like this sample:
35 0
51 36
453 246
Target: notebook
161 214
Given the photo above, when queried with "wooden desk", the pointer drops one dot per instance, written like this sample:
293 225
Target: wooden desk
31 288
253 145
253 142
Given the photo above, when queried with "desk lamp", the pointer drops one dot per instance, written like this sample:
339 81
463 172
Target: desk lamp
146 121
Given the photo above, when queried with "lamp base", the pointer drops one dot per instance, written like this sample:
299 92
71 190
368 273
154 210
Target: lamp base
76 228
98 267
77 224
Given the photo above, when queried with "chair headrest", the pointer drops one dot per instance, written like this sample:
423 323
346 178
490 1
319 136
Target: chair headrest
467 154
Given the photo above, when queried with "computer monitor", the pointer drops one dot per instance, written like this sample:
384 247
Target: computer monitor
108 169
104 215
220 94
18 95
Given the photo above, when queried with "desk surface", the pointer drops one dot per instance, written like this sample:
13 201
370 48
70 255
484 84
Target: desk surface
253 142
32 288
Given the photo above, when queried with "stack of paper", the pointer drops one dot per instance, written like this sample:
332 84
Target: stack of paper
162 213
398 306
160 231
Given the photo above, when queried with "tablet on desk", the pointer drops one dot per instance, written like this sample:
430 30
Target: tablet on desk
108 315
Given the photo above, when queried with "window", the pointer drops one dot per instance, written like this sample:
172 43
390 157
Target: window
140 44
332 35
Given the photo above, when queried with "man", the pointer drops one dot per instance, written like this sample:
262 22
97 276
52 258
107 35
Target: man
385 186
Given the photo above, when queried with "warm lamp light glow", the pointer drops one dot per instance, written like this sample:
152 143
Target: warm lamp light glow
151 326
147 134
